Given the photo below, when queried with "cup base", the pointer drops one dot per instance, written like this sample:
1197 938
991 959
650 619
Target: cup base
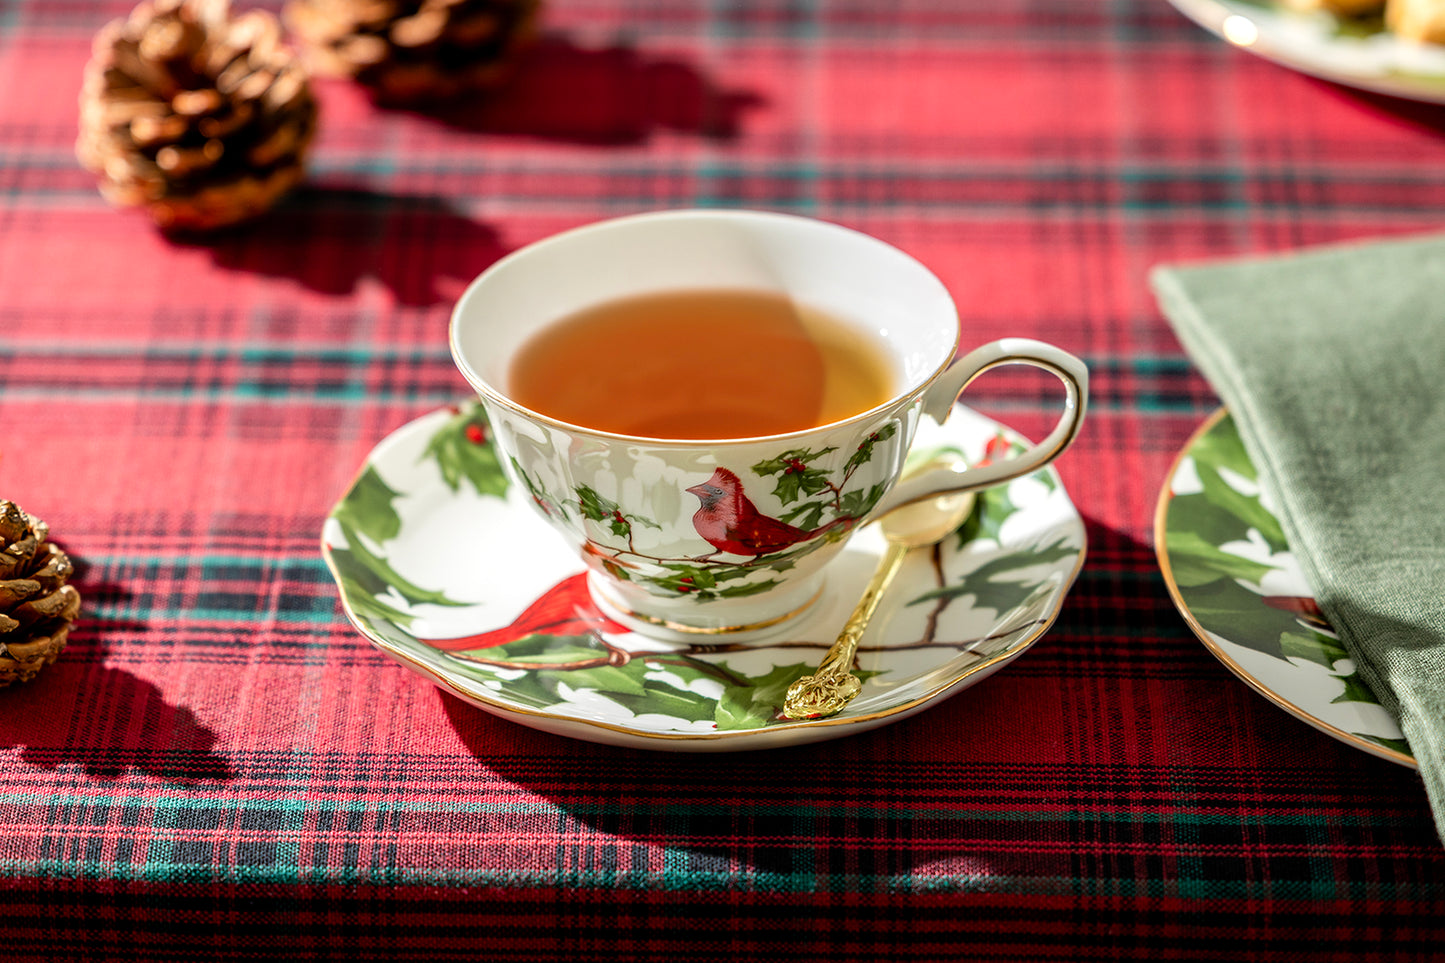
731 621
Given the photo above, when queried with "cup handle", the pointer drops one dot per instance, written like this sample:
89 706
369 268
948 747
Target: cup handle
938 401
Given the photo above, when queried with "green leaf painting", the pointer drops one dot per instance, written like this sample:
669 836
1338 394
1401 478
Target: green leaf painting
562 657
796 478
367 516
367 508
461 449
1220 586
547 671
1227 511
822 503
990 585
756 702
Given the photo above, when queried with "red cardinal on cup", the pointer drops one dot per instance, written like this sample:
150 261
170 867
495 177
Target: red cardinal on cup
730 522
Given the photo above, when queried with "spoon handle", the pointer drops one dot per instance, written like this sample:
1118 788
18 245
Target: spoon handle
833 685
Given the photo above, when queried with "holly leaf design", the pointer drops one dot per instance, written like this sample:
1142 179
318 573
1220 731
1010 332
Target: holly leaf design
659 698
744 590
796 476
807 516
367 508
1329 652
1220 453
1234 612
461 450
1312 647
690 578
756 704
1399 745
705 582
864 454
391 579
578 664
988 586
367 514
791 458
1355 691
596 508
369 576
1211 581
991 508
611 567
1242 512
361 596
1194 560
793 485
859 502
539 494
538 648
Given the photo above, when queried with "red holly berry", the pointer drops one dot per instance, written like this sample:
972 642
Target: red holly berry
997 446
475 434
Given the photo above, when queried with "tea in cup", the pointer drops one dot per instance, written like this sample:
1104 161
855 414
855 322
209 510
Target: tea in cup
707 404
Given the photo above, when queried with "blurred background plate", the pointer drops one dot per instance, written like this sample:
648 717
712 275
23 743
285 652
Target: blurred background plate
1358 53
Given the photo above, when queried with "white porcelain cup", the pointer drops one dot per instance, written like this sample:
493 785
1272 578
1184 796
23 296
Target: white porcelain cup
637 509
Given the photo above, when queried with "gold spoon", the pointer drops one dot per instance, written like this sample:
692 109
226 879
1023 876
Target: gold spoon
834 685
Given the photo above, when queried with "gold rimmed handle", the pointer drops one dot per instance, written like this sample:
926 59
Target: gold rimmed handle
942 394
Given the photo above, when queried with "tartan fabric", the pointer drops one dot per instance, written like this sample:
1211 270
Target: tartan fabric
219 767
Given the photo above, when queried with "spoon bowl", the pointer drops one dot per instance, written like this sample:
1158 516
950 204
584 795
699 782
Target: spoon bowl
833 685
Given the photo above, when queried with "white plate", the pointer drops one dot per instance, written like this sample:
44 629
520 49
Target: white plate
1231 573
443 565
1358 54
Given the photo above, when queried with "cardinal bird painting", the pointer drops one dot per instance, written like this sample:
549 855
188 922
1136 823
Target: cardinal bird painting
731 523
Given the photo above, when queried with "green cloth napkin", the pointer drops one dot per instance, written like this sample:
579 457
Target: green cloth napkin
1332 362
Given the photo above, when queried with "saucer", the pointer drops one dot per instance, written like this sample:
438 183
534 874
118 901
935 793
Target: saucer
1232 575
443 565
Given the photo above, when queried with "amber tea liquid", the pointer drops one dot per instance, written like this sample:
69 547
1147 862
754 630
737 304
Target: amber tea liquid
701 364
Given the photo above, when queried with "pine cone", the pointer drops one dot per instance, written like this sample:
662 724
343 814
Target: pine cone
414 51
36 606
201 119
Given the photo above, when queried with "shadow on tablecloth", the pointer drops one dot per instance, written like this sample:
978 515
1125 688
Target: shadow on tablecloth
607 95
1118 702
423 249
1415 113
334 239
81 712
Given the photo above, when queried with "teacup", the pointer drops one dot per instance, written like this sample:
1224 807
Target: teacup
732 537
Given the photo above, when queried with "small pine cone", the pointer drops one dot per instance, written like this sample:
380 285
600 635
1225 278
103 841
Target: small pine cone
36 606
414 51
199 118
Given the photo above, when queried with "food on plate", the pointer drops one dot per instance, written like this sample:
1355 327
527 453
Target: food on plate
1344 8
1422 20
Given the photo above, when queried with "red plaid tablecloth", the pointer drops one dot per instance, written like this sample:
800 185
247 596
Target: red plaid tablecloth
220 767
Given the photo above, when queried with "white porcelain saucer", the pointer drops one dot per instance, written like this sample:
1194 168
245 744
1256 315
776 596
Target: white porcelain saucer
443 565
1235 580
